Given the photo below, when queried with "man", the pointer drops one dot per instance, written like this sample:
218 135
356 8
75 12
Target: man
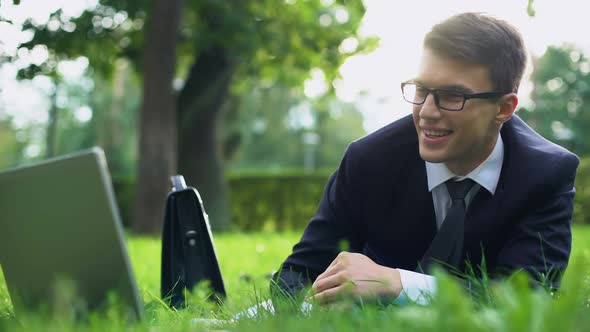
394 199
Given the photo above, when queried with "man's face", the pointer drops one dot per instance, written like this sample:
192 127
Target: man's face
460 139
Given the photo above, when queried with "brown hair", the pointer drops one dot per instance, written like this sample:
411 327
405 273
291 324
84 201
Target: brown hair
484 40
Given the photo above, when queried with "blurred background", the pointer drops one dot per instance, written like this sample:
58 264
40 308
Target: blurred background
253 101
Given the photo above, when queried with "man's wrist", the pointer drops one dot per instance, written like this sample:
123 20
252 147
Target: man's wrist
417 287
394 285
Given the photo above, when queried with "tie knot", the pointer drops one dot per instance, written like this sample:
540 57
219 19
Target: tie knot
459 189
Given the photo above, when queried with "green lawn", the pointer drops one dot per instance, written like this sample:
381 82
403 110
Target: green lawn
581 241
248 260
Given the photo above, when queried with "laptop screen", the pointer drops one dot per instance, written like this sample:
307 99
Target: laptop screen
60 226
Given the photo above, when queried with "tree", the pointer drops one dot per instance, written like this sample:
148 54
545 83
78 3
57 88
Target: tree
220 44
157 137
561 98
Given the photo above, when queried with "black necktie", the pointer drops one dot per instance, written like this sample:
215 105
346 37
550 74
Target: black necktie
447 246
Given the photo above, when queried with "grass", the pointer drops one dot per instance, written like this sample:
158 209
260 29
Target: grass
248 260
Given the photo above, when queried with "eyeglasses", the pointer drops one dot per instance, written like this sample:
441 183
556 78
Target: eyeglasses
450 100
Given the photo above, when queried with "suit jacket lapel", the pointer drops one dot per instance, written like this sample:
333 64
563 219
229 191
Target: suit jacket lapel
484 212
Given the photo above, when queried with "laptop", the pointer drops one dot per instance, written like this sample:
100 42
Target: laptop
59 223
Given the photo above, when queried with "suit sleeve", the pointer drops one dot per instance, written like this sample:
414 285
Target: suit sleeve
541 242
333 228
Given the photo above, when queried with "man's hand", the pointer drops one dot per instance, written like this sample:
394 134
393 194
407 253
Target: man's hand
355 275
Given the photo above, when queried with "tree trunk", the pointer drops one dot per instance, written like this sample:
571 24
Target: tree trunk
51 136
157 131
110 133
199 153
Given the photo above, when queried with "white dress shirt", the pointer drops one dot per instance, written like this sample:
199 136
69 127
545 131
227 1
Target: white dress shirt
419 287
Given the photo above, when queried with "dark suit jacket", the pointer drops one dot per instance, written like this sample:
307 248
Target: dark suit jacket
378 203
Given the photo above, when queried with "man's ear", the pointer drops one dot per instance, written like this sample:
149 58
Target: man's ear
507 106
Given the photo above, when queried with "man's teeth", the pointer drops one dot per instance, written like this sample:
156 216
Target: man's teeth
437 133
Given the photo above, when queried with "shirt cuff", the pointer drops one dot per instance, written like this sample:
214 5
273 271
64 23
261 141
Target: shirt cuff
416 287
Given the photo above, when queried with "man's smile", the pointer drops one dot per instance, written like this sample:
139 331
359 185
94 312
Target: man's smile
436 133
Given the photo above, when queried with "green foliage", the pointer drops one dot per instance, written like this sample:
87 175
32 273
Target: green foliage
125 191
530 8
272 40
11 148
102 34
273 124
561 96
582 198
115 105
110 122
71 133
561 112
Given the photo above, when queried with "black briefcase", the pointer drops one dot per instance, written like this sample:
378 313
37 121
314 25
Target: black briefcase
188 254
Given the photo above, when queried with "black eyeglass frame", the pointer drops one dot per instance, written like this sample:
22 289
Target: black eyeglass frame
466 96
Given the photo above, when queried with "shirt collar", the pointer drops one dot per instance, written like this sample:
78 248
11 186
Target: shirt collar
486 174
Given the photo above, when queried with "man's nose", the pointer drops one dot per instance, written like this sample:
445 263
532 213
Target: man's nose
429 109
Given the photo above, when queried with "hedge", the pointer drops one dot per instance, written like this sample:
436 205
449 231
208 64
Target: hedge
279 201
286 200
582 199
